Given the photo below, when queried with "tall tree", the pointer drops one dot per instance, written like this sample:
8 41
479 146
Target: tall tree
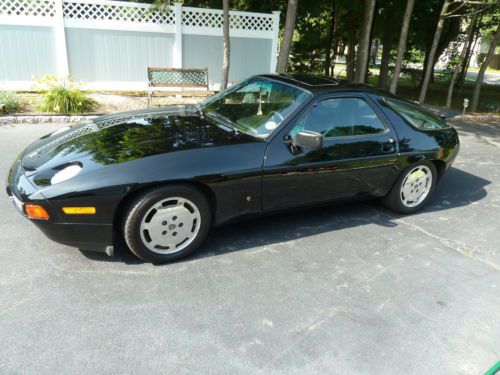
471 45
402 45
329 43
482 70
227 45
432 51
451 31
286 43
351 52
386 46
364 43
461 57
371 43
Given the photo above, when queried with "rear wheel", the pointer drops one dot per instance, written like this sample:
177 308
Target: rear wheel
413 189
167 223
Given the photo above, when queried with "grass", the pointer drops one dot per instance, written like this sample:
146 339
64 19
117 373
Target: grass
63 97
489 101
489 70
9 101
65 100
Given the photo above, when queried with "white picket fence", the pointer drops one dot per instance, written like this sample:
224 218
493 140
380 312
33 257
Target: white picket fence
178 21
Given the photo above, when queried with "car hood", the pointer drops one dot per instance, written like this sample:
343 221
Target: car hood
129 136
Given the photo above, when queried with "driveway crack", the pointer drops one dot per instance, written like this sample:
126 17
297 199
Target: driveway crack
459 247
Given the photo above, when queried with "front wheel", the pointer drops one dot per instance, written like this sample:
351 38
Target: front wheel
167 223
413 188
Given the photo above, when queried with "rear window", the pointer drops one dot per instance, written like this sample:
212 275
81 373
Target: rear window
416 116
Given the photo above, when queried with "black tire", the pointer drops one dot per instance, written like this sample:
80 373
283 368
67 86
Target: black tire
143 203
393 199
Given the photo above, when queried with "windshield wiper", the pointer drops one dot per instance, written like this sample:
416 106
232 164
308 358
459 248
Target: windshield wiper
223 121
199 107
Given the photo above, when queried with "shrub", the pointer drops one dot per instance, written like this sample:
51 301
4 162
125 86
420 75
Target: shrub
63 97
9 101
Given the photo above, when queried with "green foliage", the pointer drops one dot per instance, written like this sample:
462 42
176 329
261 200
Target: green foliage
9 101
63 97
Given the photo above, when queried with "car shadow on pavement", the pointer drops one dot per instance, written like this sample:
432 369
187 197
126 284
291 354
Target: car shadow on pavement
457 188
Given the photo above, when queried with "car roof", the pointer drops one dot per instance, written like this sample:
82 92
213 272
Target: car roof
317 84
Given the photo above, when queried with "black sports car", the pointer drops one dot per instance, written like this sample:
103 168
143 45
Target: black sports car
162 177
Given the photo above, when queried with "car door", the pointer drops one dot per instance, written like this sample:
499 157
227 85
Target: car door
359 149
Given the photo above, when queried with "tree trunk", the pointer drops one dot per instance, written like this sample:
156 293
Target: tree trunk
450 34
370 44
337 42
286 43
334 57
227 47
329 43
456 69
364 42
386 49
350 59
482 70
471 44
402 45
426 63
432 52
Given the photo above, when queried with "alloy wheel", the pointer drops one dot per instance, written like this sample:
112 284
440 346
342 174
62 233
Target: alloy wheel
170 225
416 186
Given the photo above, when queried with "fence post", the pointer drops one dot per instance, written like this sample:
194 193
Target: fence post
274 43
177 55
60 40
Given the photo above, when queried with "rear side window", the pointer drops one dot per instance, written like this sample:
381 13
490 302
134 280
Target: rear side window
341 117
416 116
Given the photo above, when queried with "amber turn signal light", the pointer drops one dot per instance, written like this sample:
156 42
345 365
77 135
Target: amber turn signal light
79 210
35 211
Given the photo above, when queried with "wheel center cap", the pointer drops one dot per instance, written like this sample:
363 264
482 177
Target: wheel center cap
171 226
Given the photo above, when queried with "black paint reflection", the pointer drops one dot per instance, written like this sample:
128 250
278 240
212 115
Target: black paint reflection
139 138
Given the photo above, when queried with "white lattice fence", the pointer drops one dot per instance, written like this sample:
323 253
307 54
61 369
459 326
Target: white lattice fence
115 12
212 18
128 16
27 8
195 20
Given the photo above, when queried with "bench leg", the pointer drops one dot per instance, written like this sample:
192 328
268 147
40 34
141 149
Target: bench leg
150 98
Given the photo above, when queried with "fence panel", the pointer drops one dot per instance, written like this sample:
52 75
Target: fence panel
109 44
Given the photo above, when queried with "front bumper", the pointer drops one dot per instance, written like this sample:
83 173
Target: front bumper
83 235
92 237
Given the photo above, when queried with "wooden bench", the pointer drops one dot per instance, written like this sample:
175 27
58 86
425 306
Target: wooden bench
179 78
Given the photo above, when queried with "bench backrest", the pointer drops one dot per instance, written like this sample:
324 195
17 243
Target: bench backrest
176 77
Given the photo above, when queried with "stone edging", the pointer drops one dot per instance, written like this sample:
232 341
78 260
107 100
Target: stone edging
5 120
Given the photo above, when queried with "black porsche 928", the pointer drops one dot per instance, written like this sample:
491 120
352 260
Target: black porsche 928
160 178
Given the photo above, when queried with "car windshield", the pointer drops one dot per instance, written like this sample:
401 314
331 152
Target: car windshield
256 106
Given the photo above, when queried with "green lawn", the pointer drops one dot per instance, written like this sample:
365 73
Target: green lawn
489 70
489 100
436 95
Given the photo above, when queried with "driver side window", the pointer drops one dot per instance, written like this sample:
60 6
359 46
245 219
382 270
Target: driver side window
340 117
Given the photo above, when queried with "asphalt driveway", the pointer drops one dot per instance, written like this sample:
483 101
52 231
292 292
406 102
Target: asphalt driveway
350 289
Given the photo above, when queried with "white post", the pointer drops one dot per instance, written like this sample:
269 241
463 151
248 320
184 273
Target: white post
177 55
60 40
274 43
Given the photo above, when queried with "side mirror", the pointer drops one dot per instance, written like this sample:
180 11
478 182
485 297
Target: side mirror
308 139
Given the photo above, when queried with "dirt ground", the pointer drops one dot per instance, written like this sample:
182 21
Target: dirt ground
109 102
